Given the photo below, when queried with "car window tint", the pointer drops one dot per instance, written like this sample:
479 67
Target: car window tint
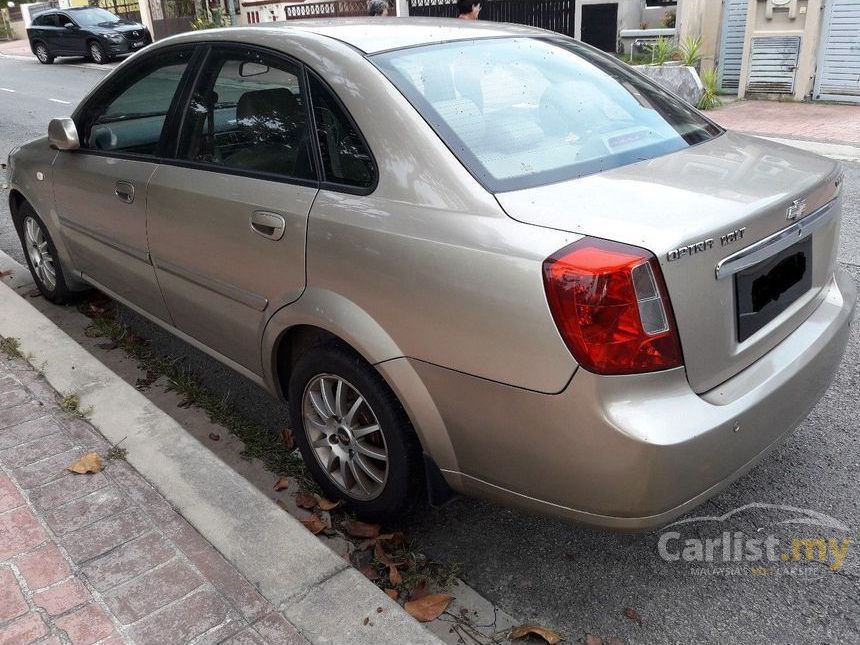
42 21
248 113
62 20
345 157
130 119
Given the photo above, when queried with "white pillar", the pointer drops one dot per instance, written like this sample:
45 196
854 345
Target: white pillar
402 7
146 16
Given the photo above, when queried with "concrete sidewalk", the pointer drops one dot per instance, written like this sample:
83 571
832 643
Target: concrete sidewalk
15 48
820 122
103 558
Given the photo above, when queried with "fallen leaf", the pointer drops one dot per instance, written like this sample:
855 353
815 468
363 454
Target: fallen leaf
89 463
287 438
134 339
358 529
394 576
283 483
591 639
366 620
615 641
314 524
548 635
305 500
429 607
214 436
419 591
364 545
327 504
631 613
3 274
391 593
381 555
369 572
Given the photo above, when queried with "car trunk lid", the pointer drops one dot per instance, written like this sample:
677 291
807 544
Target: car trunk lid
698 207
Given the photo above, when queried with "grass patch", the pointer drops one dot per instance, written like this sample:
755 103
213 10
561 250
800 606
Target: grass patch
12 348
71 405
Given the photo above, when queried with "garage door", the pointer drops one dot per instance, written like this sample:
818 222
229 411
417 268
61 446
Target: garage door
732 44
838 77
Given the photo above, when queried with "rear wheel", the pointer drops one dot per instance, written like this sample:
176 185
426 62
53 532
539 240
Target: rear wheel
354 435
42 257
43 54
97 53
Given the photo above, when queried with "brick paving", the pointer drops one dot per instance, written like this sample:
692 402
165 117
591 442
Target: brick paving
829 123
103 558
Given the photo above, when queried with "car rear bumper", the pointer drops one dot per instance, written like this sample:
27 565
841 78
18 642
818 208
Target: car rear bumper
630 452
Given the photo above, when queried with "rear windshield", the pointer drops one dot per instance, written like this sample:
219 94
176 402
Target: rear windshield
523 112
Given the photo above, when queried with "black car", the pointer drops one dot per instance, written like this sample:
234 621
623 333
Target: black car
84 31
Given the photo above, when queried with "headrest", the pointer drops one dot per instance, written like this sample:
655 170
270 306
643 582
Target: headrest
278 100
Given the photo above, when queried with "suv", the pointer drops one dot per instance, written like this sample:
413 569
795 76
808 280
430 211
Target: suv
86 31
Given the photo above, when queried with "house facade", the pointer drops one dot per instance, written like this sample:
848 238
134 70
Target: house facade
790 49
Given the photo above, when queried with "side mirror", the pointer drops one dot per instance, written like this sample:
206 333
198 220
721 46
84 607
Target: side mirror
63 135
70 25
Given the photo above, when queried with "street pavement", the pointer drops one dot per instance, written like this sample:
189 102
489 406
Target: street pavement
578 580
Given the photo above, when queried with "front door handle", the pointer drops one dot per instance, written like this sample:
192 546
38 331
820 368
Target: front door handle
270 225
124 191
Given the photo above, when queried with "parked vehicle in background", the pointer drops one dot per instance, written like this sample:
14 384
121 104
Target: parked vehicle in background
470 254
84 31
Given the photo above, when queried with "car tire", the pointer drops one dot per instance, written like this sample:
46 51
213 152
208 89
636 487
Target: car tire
328 432
42 257
97 53
42 53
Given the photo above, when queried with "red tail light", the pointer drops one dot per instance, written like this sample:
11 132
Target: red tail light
611 307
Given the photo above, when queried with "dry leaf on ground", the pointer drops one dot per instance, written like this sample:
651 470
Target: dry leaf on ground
419 591
394 576
327 504
306 500
214 436
548 635
287 438
429 607
391 593
381 555
633 615
89 463
591 639
369 572
314 524
358 529
615 641
3 274
283 483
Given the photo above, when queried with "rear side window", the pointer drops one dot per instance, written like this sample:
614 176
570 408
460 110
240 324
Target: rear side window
130 116
248 113
45 20
345 157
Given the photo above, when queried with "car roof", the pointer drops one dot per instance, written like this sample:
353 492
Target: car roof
373 35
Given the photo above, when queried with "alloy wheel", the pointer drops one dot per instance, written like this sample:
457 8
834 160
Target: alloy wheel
41 53
95 53
36 245
345 437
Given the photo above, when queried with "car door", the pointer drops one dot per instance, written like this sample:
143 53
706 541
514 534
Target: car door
227 217
70 40
47 31
100 189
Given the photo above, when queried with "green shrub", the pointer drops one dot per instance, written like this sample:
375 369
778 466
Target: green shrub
711 82
662 50
691 51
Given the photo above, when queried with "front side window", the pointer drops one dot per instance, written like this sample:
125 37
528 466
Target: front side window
345 157
522 112
131 117
248 113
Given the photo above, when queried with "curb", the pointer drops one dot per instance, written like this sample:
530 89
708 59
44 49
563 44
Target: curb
318 591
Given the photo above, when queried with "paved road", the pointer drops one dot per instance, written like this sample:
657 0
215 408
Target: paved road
579 580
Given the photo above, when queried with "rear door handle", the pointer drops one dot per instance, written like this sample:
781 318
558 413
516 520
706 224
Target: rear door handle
124 191
269 225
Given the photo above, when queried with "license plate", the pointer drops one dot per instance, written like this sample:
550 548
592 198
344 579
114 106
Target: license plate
765 290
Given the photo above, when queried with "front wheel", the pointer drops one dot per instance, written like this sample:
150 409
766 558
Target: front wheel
353 434
97 53
42 257
43 54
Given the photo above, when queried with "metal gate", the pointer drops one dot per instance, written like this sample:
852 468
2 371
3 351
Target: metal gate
554 15
773 63
732 44
838 77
